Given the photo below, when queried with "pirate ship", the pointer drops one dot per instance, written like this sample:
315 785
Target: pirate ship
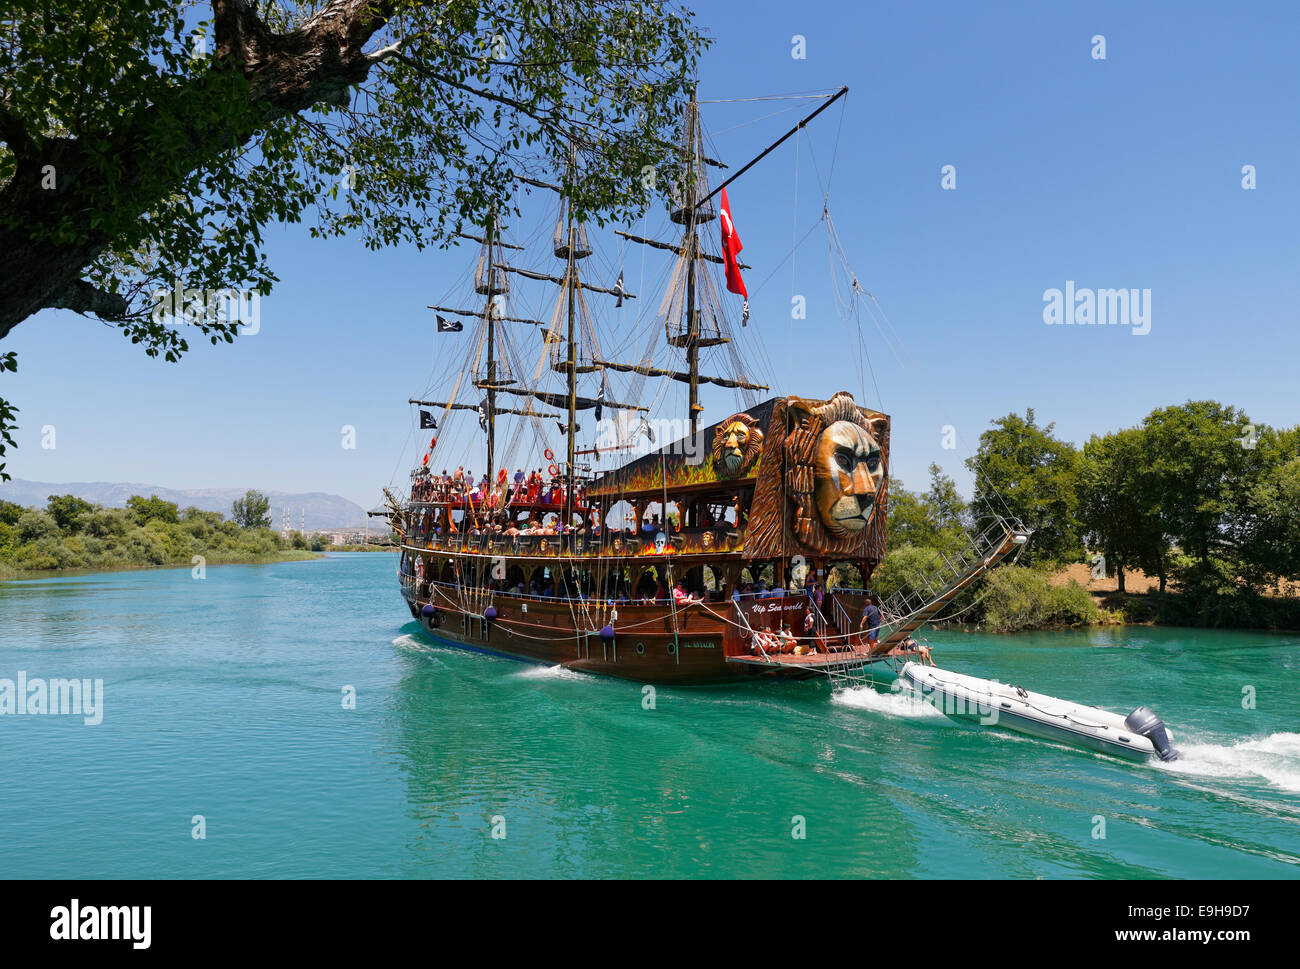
740 548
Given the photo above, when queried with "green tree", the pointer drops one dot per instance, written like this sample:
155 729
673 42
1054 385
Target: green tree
69 511
152 508
33 526
10 512
1203 469
144 149
252 510
937 518
1270 536
193 514
1021 469
1118 510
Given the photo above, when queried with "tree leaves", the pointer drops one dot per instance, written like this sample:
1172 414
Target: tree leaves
172 143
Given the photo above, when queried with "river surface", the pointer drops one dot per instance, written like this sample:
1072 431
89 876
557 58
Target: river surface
225 712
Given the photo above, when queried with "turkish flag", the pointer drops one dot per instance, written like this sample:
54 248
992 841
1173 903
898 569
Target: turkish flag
730 248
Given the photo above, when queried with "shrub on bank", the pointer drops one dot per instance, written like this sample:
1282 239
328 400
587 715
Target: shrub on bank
1017 598
906 567
150 533
1236 609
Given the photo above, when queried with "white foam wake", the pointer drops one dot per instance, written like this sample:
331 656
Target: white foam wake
408 643
1274 759
556 672
900 703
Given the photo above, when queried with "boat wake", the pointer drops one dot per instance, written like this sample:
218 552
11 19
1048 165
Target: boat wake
1274 759
905 704
409 643
556 672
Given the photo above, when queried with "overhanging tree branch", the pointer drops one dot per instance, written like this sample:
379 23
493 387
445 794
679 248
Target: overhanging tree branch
83 297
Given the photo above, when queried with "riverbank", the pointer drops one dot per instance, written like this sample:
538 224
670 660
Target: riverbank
1016 598
71 535
9 574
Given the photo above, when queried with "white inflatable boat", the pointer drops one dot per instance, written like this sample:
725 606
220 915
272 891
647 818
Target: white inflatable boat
1138 736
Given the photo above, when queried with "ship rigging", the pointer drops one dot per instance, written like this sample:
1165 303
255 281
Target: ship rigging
708 557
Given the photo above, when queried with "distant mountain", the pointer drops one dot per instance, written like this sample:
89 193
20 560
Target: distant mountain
322 511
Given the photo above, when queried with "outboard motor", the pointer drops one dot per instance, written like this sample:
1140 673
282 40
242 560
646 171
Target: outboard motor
1145 723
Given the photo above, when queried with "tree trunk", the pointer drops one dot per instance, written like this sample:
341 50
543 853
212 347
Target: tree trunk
286 74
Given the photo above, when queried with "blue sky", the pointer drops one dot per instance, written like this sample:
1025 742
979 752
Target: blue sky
1123 172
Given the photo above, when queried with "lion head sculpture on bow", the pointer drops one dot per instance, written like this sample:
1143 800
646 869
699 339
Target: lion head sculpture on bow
828 495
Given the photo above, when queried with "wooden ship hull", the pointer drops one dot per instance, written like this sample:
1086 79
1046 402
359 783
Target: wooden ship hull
766 491
702 643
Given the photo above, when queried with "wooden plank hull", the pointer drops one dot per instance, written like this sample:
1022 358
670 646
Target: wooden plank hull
650 643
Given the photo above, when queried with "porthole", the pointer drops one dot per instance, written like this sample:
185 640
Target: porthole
640 649
672 648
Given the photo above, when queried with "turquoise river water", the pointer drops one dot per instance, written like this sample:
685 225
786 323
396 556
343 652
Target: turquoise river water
224 709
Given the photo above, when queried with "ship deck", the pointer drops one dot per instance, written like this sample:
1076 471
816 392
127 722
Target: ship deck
844 659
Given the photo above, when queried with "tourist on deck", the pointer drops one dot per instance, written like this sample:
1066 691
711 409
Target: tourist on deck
871 621
786 639
910 645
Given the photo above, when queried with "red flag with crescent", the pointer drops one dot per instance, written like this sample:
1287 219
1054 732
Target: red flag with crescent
730 249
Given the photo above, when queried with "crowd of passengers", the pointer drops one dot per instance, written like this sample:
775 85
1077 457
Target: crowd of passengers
503 522
460 487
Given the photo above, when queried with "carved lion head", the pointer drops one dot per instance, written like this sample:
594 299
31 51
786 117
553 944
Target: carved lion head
737 444
847 471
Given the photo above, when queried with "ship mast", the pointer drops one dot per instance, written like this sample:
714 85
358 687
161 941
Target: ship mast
571 276
692 245
491 359
694 209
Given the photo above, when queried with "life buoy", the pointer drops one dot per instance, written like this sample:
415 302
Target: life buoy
501 476
554 471
549 454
